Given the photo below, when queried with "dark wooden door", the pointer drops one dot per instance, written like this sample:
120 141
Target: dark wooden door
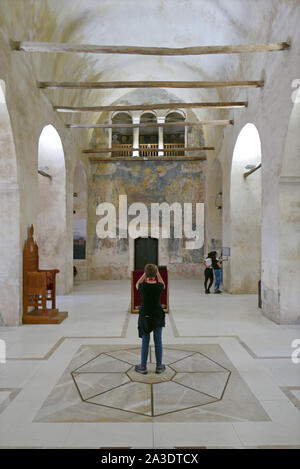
145 252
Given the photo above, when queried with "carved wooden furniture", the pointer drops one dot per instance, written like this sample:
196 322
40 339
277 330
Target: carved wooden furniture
38 288
136 297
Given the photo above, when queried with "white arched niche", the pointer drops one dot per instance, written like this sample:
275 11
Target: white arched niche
51 229
148 135
80 221
122 136
174 136
245 214
289 222
10 245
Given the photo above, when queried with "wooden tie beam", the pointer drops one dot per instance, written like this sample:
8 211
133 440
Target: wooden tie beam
252 170
62 48
150 107
149 150
150 124
161 159
148 84
43 173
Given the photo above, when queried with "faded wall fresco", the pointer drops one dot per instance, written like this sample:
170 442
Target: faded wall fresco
146 182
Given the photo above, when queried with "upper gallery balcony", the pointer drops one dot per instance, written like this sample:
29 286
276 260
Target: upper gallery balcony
148 149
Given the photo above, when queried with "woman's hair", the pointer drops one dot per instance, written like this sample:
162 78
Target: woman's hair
212 255
150 270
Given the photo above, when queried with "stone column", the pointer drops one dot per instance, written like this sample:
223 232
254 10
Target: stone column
289 250
161 120
136 135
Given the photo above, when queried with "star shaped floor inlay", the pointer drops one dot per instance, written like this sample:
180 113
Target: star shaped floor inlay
191 379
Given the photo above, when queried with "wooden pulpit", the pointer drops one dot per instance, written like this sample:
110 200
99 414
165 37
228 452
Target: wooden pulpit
136 297
38 288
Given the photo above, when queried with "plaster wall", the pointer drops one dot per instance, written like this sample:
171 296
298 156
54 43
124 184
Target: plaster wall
147 182
289 222
29 112
10 264
51 229
201 22
143 182
270 111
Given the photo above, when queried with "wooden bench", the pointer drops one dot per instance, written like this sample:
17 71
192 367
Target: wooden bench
38 288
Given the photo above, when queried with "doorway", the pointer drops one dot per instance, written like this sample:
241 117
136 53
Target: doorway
145 252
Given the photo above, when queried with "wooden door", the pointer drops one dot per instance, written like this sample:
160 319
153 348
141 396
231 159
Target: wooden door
145 252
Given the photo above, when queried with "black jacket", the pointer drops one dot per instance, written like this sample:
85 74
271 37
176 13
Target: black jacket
151 313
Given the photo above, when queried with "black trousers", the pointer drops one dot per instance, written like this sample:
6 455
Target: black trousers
209 276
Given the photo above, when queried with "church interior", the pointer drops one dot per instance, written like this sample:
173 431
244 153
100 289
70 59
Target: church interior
161 101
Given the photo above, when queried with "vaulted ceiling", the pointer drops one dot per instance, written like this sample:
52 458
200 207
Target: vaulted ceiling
169 23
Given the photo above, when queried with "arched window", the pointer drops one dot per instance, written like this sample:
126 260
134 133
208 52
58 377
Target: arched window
174 136
51 229
148 136
122 137
245 213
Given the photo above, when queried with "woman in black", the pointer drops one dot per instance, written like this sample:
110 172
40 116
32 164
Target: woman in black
151 316
208 273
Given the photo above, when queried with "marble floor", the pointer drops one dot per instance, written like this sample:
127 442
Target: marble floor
229 382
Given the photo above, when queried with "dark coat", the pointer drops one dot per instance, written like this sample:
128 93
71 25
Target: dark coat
151 314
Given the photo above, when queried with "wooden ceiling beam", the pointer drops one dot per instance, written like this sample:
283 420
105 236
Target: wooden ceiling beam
149 124
247 173
43 173
148 84
133 159
150 107
62 48
148 150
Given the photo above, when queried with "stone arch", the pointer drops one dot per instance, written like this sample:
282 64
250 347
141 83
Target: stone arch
10 246
122 136
152 113
245 213
174 135
51 229
80 210
116 115
180 112
289 222
148 135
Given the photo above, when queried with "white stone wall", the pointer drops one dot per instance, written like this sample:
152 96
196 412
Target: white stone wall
10 265
51 229
29 111
168 23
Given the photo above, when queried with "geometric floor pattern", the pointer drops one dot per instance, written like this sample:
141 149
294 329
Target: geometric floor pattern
191 378
200 384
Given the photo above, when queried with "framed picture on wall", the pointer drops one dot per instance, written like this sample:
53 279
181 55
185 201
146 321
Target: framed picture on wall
79 238
225 252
